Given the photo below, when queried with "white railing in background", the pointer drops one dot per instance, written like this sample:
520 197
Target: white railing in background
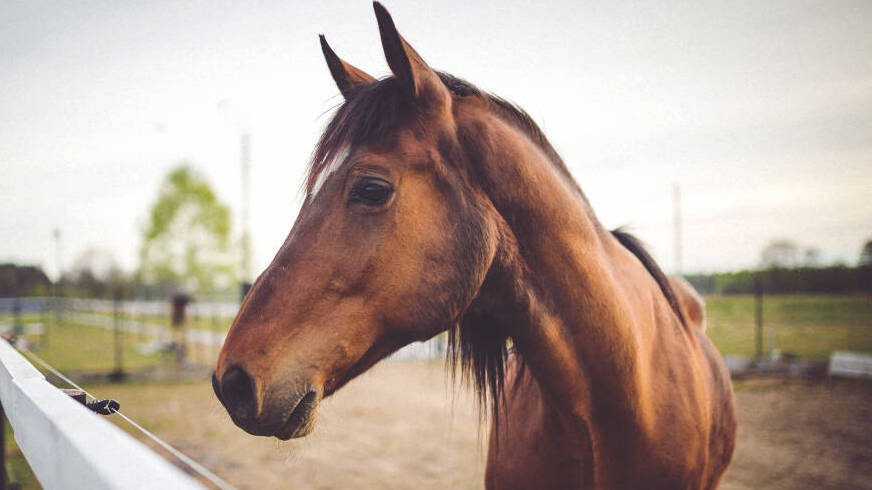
850 364
96 312
68 446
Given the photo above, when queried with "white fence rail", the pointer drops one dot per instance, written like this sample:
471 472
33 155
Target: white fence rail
68 446
96 312
851 364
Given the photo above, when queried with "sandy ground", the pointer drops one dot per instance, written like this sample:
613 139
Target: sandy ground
397 427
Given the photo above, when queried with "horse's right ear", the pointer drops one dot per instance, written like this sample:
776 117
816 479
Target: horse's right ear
348 78
421 81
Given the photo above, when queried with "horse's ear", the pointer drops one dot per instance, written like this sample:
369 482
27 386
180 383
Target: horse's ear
406 64
348 78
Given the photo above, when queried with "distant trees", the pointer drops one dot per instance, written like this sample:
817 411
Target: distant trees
866 254
95 273
780 253
786 268
23 280
786 254
185 245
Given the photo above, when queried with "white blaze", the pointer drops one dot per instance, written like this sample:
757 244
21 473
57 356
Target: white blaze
328 169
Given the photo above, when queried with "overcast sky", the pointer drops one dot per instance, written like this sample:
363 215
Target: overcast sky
761 111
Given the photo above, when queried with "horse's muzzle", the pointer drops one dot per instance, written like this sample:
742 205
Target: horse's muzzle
302 420
283 415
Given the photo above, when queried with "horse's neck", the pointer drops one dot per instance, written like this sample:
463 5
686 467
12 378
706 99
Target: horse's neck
574 317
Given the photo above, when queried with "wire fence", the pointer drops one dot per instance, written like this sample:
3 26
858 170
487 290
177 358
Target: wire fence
117 338
66 445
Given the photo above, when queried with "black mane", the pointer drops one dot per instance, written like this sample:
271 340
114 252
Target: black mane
635 246
380 107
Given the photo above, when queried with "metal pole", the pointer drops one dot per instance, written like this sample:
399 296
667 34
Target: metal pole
214 328
676 196
118 372
245 165
59 287
758 314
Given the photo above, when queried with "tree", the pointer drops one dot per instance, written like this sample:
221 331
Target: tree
812 257
185 246
780 254
866 254
96 273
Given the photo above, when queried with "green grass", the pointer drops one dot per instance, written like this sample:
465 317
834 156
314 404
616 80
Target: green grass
215 324
809 326
72 347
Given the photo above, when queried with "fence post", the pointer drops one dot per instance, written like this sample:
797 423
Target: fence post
758 315
17 326
118 373
45 304
214 333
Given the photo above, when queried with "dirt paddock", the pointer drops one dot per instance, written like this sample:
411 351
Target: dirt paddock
402 425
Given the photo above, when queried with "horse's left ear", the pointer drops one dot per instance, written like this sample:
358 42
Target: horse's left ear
348 78
408 67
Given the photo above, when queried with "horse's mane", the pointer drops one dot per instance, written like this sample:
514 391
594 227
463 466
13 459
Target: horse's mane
635 246
379 108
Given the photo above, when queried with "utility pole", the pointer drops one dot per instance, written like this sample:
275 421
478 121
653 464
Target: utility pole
758 316
245 211
676 200
245 167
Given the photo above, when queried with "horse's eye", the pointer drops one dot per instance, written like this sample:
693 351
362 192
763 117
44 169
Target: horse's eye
370 191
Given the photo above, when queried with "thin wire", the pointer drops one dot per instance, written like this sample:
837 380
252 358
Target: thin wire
212 477
54 371
191 463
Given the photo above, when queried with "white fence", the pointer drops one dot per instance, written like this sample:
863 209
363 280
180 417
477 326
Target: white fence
851 364
67 445
94 312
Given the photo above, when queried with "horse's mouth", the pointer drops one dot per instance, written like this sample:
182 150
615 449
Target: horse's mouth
302 420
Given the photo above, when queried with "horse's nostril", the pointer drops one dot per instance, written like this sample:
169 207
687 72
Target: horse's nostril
237 393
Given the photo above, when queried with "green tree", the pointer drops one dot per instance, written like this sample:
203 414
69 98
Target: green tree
866 254
95 273
780 254
185 245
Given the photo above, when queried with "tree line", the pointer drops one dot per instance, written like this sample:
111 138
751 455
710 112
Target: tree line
839 279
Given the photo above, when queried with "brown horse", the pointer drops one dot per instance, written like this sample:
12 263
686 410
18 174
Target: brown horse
433 206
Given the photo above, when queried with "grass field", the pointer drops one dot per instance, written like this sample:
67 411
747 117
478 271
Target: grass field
807 326
74 347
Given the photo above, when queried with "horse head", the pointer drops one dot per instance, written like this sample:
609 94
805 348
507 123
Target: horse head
391 245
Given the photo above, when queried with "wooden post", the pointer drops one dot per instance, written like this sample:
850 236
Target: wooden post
195 352
758 315
44 315
140 309
117 373
17 326
216 328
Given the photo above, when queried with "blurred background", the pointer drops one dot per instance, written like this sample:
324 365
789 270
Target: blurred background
152 158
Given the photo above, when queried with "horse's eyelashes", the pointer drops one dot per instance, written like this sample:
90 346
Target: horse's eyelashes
370 191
